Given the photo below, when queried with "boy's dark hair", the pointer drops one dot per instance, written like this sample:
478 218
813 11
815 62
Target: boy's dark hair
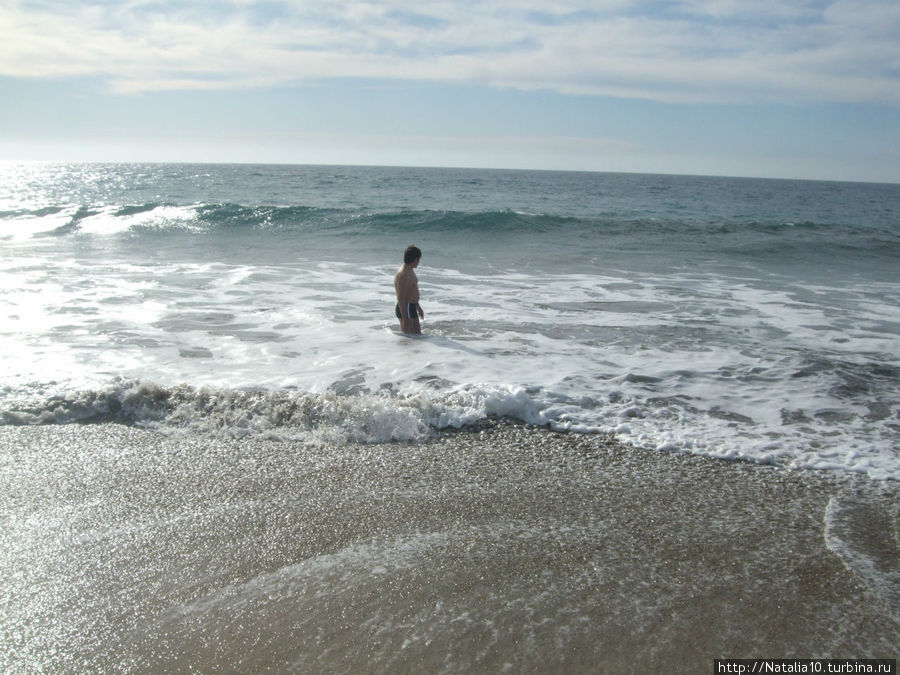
411 254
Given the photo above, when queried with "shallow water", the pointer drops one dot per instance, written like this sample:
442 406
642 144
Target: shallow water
733 318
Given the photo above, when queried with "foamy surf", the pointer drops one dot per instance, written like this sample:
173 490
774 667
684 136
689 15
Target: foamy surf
682 314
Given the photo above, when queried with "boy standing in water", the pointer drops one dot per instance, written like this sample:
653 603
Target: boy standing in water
407 286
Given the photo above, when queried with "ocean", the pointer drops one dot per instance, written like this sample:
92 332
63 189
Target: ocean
167 328
737 318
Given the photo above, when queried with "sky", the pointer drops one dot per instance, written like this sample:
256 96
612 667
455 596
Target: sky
771 88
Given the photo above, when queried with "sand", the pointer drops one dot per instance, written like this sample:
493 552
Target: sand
507 549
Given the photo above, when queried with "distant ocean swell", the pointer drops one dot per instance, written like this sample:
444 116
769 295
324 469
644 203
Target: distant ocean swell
223 217
211 218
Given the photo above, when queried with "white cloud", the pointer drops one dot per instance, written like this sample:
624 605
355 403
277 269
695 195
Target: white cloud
694 50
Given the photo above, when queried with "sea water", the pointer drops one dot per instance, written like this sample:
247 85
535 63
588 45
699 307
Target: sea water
737 318
219 454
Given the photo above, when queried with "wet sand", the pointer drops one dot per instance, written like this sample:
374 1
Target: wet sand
511 549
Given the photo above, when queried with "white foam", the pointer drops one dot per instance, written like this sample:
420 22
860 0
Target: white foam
26 227
110 221
693 363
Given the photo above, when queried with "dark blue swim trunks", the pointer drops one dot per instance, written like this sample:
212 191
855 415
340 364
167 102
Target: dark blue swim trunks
412 310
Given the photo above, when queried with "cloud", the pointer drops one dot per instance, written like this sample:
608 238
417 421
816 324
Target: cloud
687 51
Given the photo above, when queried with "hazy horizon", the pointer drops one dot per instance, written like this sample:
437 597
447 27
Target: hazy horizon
697 87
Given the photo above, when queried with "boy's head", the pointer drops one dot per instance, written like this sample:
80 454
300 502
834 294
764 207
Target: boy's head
411 254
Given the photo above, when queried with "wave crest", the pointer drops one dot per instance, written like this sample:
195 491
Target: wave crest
281 415
622 229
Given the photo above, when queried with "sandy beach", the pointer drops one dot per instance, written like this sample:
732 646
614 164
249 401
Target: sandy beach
509 549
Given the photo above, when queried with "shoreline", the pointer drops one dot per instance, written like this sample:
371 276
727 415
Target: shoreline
508 548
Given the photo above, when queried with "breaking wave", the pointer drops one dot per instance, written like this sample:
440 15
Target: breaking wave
280 415
213 218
